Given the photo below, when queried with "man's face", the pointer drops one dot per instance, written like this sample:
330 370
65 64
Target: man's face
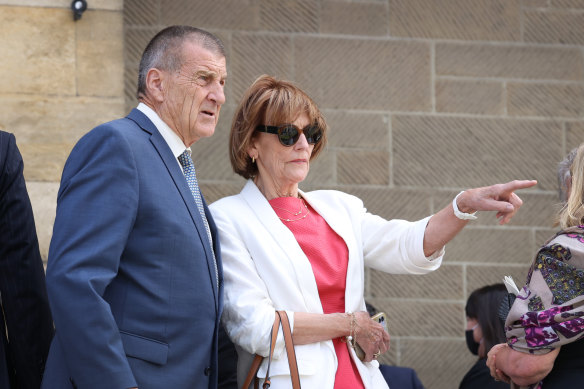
193 95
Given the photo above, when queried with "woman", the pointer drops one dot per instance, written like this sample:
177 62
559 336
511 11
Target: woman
484 329
284 249
545 325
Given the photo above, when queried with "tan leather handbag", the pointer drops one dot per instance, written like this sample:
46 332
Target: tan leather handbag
281 319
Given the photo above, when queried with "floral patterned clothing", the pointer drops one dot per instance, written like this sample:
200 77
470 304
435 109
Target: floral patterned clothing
549 310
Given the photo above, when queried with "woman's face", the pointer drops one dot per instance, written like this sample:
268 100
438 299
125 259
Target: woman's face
280 167
472 324
477 332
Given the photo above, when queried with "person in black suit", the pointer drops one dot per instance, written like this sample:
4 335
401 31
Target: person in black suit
26 326
227 375
400 377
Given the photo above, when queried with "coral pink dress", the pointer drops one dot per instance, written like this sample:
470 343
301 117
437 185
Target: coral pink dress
329 257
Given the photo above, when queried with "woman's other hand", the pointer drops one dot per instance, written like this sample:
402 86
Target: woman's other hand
497 374
523 369
371 336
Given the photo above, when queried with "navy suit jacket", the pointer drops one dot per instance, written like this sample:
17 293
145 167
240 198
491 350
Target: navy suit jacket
130 276
24 303
399 377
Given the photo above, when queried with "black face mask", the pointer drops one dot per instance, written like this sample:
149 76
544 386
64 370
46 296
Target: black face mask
472 345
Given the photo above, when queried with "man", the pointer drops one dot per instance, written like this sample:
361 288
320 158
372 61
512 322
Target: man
134 273
26 326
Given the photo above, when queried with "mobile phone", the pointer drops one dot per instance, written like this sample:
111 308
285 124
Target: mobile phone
381 318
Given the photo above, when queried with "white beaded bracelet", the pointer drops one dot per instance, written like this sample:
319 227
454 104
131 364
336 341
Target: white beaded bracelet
462 215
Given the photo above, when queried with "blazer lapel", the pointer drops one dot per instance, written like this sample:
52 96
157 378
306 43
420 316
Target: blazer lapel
286 240
179 180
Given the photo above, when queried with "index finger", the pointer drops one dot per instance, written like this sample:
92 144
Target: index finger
514 185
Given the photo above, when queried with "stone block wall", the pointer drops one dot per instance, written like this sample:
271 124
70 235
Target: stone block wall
61 78
424 98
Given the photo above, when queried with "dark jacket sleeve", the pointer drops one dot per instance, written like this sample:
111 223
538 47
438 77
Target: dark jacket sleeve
22 279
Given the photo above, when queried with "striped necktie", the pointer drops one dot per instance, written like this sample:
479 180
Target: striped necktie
190 174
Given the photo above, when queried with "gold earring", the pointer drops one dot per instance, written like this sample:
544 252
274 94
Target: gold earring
252 159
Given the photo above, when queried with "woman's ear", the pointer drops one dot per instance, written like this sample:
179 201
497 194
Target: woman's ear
252 148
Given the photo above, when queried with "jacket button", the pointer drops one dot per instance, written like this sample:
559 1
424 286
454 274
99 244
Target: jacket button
207 370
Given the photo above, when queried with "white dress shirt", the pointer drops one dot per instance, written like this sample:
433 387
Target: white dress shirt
172 139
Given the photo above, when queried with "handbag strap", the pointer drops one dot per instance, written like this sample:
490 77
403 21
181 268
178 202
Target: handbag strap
288 341
255 365
273 338
281 319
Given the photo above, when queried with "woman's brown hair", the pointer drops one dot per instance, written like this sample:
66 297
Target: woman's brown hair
269 101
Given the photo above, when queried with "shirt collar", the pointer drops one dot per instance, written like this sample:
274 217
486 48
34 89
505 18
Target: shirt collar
172 139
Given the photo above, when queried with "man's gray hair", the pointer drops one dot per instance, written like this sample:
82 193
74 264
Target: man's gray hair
164 51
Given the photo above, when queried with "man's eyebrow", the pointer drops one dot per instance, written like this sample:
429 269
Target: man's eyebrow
211 73
205 72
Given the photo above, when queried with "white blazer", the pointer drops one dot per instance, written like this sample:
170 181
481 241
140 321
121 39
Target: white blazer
265 269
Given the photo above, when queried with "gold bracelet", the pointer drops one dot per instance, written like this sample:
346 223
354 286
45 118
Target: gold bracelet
352 324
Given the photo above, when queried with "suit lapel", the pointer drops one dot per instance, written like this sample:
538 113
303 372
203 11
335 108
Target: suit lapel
181 184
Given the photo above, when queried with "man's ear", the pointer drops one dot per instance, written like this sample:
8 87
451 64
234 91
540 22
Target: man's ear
155 84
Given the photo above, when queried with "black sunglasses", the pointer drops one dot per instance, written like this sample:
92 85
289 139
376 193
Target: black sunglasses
288 134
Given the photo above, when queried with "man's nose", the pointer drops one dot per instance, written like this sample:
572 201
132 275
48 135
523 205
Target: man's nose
218 93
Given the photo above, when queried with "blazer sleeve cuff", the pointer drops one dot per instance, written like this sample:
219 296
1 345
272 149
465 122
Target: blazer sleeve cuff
415 243
280 348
